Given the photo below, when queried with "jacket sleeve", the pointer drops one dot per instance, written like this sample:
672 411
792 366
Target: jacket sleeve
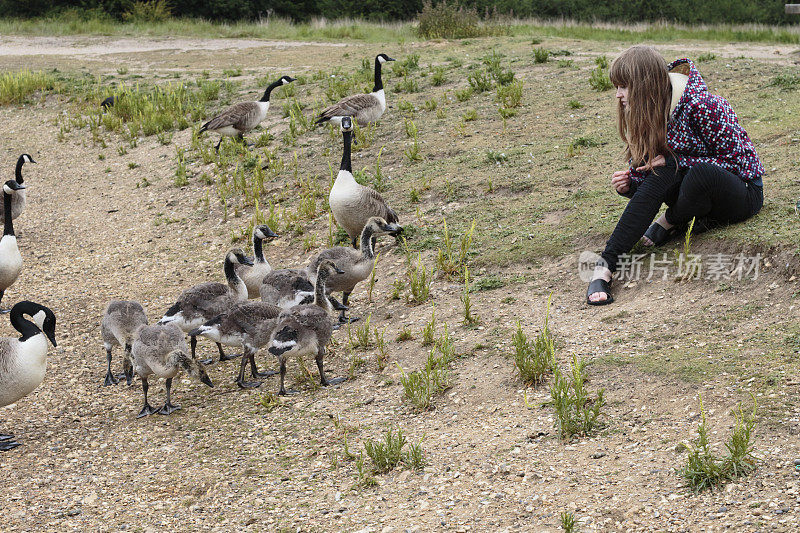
714 121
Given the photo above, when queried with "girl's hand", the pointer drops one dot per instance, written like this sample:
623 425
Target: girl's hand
621 181
658 161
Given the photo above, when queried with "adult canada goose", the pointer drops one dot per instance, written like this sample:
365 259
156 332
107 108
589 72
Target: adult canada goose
119 326
306 329
10 258
364 108
23 361
242 117
353 204
355 264
203 302
253 275
248 325
18 200
161 350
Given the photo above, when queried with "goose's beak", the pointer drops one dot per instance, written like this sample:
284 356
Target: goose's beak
338 270
270 234
52 337
389 59
207 380
393 229
247 261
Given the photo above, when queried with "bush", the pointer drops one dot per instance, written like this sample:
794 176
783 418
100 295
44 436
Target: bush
153 11
447 21
541 55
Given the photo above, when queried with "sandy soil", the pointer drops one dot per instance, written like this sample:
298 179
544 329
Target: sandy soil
226 463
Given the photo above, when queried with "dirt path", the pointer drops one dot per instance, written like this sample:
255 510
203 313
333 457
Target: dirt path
226 463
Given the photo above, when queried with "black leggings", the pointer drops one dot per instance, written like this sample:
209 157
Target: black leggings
706 192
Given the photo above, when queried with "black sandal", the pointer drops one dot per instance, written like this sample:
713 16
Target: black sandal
658 234
599 285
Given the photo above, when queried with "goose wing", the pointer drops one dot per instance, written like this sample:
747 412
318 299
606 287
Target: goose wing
349 106
240 116
374 203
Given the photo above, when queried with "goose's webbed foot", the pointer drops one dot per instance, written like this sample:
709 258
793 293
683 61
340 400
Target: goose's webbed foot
248 384
111 379
147 410
168 409
8 445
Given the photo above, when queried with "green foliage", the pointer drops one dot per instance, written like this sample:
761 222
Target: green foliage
462 95
599 80
450 263
706 56
429 330
150 11
510 95
568 522
576 412
444 20
470 115
420 386
575 145
469 318
541 55
419 281
704 470
574 104
534 360
389 453
16 87
480 81
786 82
438 77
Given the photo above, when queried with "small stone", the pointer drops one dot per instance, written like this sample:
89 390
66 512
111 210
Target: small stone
598 455
797 462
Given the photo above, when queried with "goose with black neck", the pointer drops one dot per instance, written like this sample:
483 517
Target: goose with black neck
18 201
23 361
352 204
365 108
242 117
10 258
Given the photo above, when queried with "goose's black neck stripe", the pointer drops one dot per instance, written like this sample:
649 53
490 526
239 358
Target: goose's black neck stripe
258 249
8 224
271 86
346 163
366 244
378 80
18 171
230 271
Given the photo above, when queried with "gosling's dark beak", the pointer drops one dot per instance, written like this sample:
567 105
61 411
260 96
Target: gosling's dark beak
270 234
247 261
393 229
338 270
207 380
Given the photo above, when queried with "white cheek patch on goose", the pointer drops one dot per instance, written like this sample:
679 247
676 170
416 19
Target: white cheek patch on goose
282 344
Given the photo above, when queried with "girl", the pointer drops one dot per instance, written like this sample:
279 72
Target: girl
685 148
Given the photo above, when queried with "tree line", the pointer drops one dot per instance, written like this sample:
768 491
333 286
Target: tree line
680 11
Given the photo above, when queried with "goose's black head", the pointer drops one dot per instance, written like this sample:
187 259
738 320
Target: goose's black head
11 186
264 232
286 79
42 316
383 58
237 255
347 124
25 158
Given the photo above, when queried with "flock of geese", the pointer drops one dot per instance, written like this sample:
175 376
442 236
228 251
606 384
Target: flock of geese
289 311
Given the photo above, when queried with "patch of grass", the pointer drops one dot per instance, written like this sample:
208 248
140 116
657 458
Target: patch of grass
575 145
480 81
510 95
565 63
576 411
462 95
17 87
449 262
419 281
488 283
541 55
469 318
429 330
574 104
438 77
386 455
568 522
470 115
493 156
786 82
420 386
362 338
404 335
599 80
704 470
706 56
534 360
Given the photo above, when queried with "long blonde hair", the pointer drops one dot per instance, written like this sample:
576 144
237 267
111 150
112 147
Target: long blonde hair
642 124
